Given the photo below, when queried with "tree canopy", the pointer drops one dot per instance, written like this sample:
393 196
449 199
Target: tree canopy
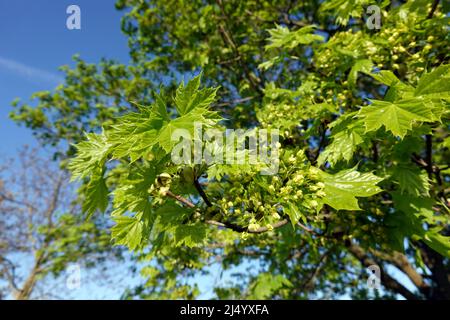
363 149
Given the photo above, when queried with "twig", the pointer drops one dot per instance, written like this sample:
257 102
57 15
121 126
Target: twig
180 199
307 229
433 9
429 155
202 193
224 104
238 228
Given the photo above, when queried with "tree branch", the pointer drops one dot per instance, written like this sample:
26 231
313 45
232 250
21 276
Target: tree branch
386 279
228 40
429 155
180 199
433 9
201 192
401 262
239 228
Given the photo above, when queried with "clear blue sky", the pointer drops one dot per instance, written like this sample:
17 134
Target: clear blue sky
34 42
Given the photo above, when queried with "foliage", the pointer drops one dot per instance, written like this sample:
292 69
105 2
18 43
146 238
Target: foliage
363 163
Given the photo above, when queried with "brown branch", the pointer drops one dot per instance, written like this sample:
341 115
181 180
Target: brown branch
386 279
30 282
239 228
310 280
308 229
433 9
230 103
228 40
322 142
10 274
439 273
419 161
54 201
228 225
180 199
202 193
429 155
9 198
401 262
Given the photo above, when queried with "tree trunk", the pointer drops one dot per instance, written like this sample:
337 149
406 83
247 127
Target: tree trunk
30 282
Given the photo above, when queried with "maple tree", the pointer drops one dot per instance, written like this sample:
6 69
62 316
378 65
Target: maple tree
363 155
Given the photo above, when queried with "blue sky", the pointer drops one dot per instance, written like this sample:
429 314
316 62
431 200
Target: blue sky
34 42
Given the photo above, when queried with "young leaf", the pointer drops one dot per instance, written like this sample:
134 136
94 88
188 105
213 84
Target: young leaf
363 65
411 181
91 155
283 37
128 231
347 134
189 97
294 213
342 188
185 94
412 213
190 235
160 107
396 117
437 81
267 283
96 195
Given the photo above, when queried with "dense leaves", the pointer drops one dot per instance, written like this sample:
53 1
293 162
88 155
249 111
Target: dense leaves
362 159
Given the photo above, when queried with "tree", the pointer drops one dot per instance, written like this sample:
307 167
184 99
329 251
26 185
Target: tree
363 173
40 230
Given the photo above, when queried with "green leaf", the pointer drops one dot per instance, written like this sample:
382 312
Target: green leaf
128 231
199 116
189 97
446 143
91 155
363 65
266 284
170 215
396 117
184 95
190 235
293 213
342 188
270 63
412 213
343 10
438 243
411 181
160 107
435 82
283 37
347 134
390 79
184 122
96 195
